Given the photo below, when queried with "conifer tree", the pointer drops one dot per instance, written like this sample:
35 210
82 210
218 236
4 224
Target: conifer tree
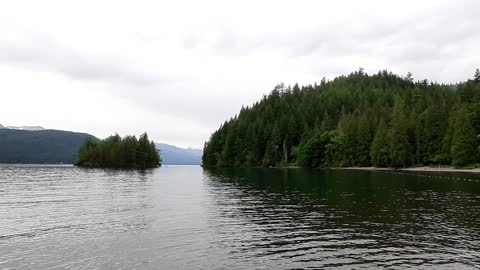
399 144
380 148
464 141
446 153
229 151
364 140
117 152
409 77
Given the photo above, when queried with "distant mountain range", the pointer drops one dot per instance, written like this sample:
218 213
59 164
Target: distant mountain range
173 155
36 145
40 146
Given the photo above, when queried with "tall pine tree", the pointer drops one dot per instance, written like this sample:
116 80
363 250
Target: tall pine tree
400 154
464 141
380 148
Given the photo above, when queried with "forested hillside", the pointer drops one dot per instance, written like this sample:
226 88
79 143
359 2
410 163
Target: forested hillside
43 146
356 120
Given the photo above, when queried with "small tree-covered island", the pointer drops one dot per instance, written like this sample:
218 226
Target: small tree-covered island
117 152
384 120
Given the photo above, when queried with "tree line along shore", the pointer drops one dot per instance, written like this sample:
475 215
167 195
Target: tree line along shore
443 168
358 120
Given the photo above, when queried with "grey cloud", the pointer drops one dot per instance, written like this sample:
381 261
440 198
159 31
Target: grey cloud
154 92
190 41
228 64
44 54
436 34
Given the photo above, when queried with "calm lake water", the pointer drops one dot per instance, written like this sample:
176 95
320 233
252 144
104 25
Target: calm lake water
191 218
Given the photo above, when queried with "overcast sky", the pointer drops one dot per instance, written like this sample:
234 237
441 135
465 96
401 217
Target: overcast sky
178 69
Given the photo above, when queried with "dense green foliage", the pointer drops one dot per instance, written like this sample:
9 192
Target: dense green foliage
117 152
40 147
355 120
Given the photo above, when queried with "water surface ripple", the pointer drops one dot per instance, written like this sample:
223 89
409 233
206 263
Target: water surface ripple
192 218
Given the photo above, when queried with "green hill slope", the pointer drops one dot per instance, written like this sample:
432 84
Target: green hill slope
43 146
355 120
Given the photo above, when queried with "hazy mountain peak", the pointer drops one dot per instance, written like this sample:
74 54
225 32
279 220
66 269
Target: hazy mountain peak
28 128
174 155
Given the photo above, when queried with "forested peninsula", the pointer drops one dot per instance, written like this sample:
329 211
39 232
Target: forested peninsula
382 120
117 152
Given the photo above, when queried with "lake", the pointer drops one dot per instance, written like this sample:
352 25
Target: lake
192 218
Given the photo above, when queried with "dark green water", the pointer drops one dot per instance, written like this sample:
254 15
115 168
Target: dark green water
191 218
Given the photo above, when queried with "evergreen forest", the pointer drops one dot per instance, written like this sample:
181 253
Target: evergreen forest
117 152
382 120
